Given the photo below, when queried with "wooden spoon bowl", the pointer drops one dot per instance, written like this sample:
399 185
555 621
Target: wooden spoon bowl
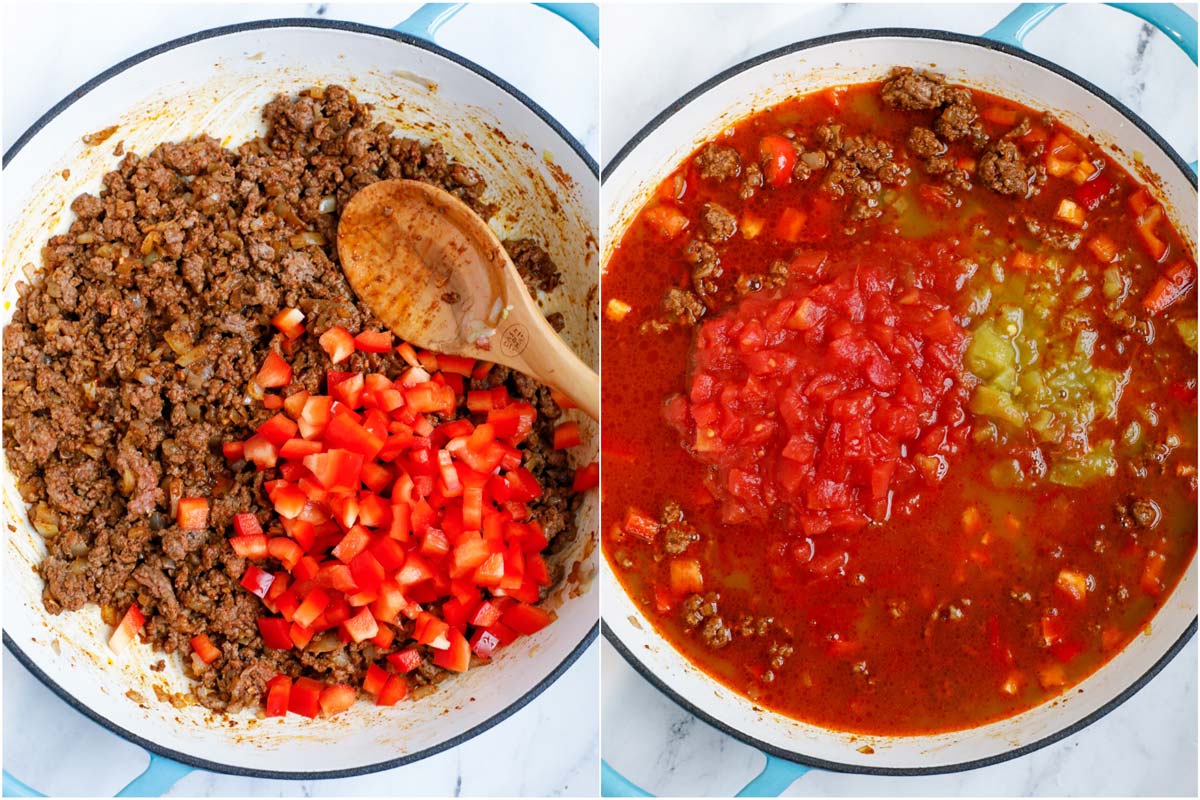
434 272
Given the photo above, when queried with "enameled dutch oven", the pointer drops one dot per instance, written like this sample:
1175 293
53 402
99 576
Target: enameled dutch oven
996 64
217 82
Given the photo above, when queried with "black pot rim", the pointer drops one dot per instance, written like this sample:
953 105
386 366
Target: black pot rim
670 111
503 85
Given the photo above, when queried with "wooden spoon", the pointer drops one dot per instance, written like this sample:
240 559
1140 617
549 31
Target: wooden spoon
434 272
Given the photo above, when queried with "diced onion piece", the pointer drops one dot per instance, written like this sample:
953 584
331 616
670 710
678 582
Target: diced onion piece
616 310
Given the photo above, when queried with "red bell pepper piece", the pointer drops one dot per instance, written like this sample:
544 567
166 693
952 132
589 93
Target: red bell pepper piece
337 343
395 690
586 477
375 679
279 690
257 581
526 619
275 372
127 628
457 657
275 633
373 341
253 546
305 697
1170 287
361 626
406 660
288 321
566 435
337 698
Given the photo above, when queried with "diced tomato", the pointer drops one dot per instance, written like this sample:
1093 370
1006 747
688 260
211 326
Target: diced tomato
395 690
191 513
526 619
666 220
275 632
457 657
1172 286
337 698
275 372
778 157
129 626
305 697
256 581
337 343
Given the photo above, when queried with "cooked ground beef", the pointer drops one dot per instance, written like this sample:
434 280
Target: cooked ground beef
682 306
752 181
678 534
705 264
925 143
1002 168
1054 235
718 163
533 264
913 91
130 356
718 223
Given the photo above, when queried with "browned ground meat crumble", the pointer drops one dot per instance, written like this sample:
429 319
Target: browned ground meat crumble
130 357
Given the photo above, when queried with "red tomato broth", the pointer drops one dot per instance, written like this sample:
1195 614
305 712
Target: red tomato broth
956 615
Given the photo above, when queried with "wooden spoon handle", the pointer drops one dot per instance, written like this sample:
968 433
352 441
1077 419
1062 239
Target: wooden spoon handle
543 355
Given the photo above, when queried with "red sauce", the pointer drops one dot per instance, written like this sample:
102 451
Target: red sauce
1041 510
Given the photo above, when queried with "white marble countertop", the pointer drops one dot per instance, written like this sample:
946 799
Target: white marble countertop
1145 747
81 40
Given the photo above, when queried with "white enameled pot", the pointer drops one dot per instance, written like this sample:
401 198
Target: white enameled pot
765 81
217 82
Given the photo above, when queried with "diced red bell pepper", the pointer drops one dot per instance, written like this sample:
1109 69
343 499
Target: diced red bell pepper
278 429
191 513
204 648
337 343
406 660
431 631
256 581
129 626
279 690
289 322
233 451
260 452
586 477
484 643
343 432
640 526
275 372
375 678
337 698
373 341
354 542
367 571
253 546
1170 287
1091 194
275 633
778 157
246 525
457 657
305 697
313 606
336 468
361 626
486 615
526 619
566 435
315 416
395 690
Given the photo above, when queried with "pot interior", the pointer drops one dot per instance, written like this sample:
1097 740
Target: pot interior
218 85
800 70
